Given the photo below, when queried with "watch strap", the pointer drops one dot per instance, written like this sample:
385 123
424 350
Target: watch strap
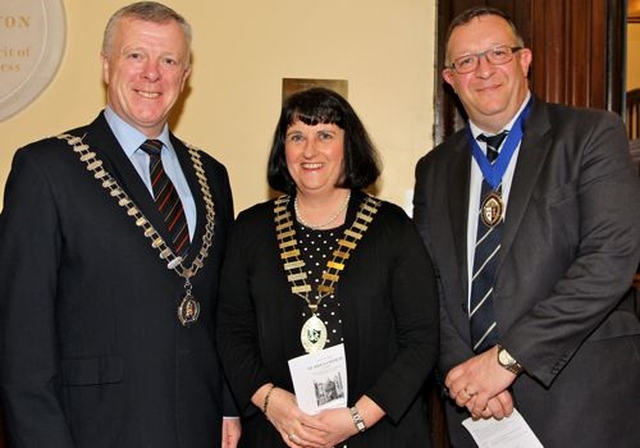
512 366
357 419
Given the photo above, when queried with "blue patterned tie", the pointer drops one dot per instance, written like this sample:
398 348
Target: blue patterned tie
167 199
484 329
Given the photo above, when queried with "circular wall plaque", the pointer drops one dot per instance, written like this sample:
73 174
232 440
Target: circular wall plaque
32 36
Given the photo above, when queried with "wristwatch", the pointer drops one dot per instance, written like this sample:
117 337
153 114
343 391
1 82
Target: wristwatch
508 362
357 419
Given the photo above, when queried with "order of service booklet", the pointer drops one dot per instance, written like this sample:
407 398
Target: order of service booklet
320 379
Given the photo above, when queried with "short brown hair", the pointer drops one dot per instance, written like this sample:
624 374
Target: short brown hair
478 11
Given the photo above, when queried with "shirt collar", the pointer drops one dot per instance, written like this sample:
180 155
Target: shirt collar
476 131
129 137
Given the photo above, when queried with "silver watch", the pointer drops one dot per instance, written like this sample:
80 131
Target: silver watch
357 419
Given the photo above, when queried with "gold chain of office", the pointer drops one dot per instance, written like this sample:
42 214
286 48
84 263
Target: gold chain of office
290 253
110 184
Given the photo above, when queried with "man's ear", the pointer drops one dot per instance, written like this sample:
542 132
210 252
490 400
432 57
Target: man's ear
105 68
185 76
447 75
524 58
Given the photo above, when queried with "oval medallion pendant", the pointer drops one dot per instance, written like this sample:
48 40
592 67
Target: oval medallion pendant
189 310
492 207
313 335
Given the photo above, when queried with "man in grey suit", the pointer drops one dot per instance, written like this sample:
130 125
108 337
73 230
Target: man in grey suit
107 293
535 251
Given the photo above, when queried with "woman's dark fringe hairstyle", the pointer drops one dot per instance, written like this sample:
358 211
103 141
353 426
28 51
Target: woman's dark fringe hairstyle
319 105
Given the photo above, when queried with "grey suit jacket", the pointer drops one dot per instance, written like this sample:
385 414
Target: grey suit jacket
571 244
92 353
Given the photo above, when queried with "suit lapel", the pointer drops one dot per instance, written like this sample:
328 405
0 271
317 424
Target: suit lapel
532 155
458 198
101 140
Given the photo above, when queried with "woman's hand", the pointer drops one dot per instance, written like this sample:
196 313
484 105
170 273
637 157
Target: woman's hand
339 423
296 428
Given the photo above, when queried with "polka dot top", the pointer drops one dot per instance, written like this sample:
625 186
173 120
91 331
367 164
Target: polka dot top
316 247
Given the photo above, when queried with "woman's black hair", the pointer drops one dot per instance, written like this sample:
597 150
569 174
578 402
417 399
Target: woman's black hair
319 105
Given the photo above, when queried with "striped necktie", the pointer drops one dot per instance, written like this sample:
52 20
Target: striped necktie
484 328
167 199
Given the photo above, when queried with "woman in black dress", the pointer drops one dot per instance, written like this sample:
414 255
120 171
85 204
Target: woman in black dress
323 265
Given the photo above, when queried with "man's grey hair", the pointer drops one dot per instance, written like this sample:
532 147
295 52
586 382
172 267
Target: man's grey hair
148 12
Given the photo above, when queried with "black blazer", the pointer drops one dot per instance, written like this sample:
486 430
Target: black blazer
571 244
389 323
92 352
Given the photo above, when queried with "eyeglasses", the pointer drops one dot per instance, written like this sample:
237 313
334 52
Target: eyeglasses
496 56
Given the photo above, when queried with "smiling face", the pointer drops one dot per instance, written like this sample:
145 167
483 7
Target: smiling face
145 69
491 94
315 156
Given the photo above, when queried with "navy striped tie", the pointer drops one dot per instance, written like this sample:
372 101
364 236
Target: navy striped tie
167 199
484 329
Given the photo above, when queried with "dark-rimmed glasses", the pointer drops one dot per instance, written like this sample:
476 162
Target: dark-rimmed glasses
495 56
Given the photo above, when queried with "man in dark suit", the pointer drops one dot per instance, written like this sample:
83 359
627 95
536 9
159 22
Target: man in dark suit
107 296
535 266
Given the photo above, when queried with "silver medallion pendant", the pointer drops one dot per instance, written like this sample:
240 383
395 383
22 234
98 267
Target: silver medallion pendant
313 335
492 208
189 310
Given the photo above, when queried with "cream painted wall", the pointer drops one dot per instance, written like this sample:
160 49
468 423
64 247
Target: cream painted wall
633 56
242 50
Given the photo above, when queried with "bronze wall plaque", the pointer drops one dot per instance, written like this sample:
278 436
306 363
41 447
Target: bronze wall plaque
293 85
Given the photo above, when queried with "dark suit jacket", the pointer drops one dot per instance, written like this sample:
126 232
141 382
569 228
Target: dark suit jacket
571 243
92 352
389 317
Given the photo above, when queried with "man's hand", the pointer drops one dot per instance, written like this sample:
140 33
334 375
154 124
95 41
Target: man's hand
480 384
498 407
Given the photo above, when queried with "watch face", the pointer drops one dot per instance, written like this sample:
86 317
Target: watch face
508 362
504 358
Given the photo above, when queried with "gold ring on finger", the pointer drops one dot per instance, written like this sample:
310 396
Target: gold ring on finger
470 394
